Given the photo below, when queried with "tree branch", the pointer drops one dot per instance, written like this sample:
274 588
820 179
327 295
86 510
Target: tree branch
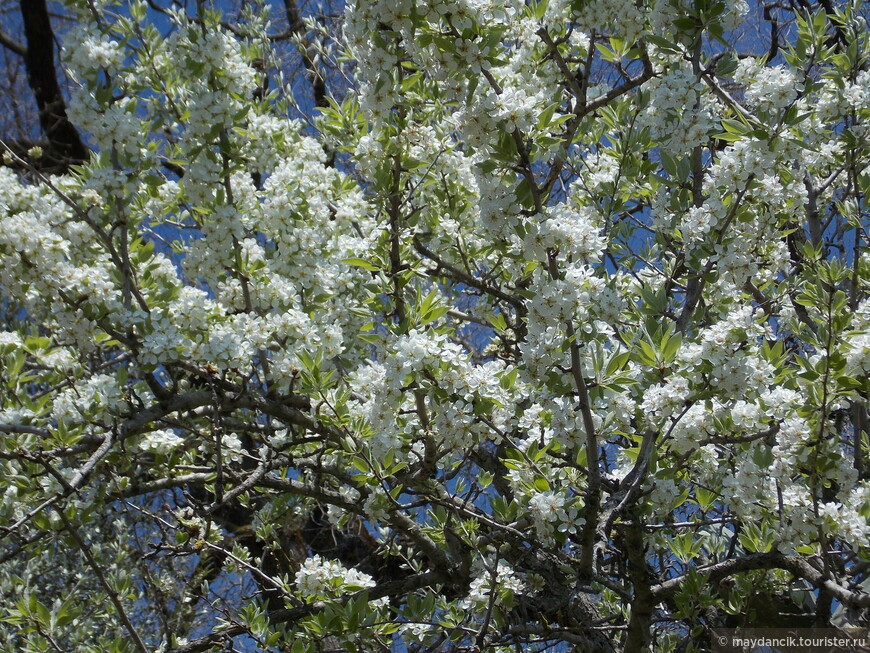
66 145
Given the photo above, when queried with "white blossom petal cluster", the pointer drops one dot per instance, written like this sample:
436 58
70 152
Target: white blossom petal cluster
554 511
681 111
320 578
769 88
161 441
574 232
100 396
10 339
505 579
87 47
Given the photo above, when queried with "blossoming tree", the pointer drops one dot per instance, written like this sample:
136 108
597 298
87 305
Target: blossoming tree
534 324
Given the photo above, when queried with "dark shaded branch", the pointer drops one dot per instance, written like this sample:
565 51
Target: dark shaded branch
66 146
774 33
11 44
297 27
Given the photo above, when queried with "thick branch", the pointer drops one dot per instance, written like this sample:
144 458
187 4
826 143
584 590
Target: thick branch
638 639
797 565
66 144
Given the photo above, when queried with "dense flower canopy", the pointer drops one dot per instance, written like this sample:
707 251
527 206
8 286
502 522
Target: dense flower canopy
536 325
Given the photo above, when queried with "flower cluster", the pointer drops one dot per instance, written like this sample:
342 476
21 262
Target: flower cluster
87 49
768 88
503 580
97 398
573 232
319 578
161 441
551 510
680 112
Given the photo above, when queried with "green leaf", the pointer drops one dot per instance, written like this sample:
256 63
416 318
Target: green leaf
704 498
361 262
606 53
646 355
541 9
497 320
546 116
508 379
735 127
671 347
663 44
686 24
